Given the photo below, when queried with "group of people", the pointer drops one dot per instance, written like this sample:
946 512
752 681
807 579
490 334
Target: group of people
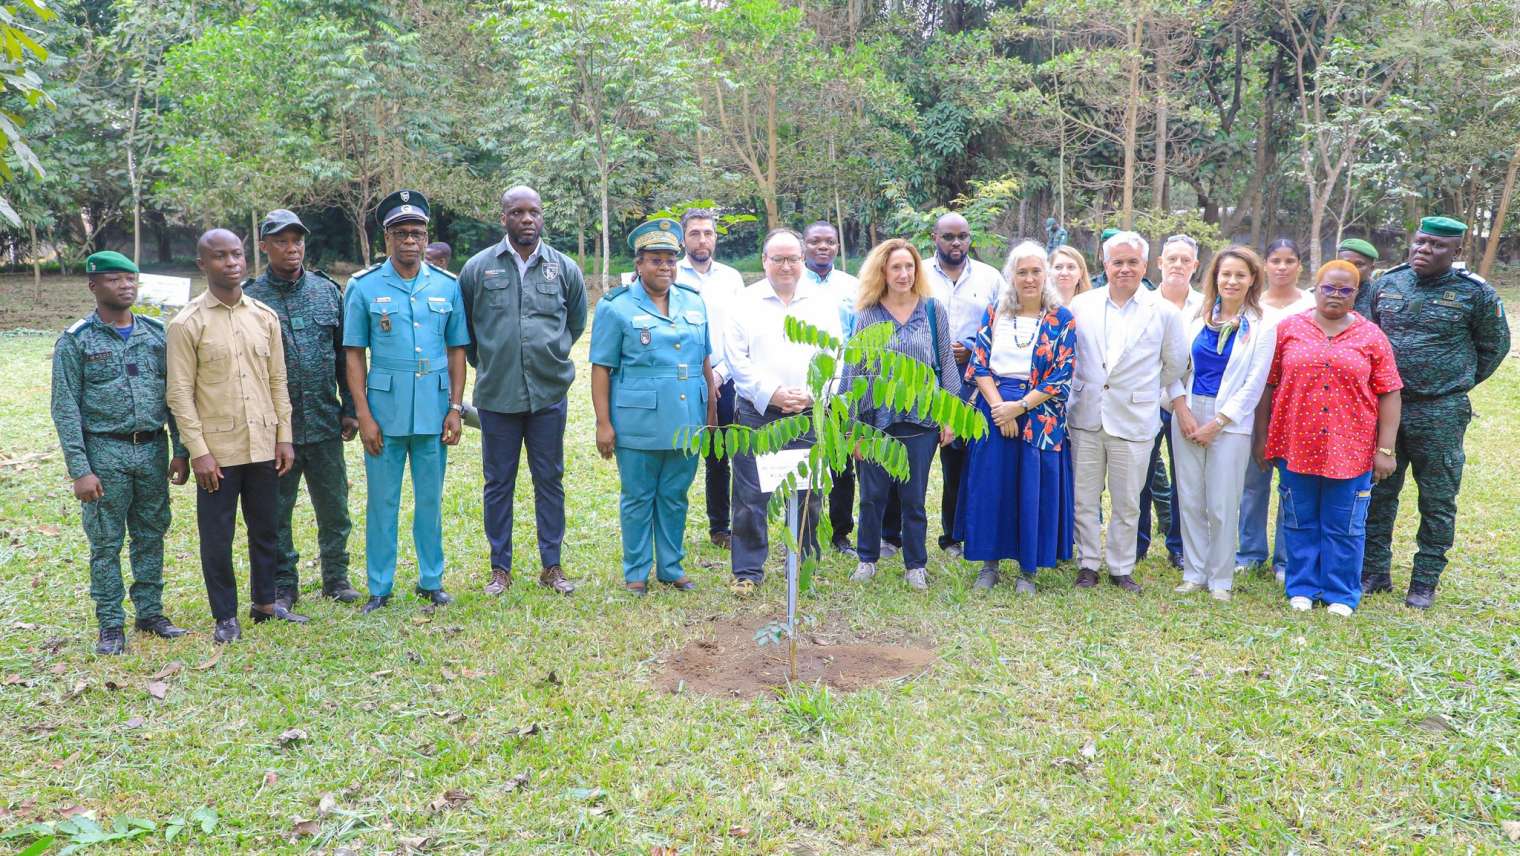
257 383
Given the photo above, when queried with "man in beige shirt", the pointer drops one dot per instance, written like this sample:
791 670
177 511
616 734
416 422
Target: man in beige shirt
227 392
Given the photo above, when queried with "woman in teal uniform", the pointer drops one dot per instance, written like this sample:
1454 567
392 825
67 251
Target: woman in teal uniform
651 376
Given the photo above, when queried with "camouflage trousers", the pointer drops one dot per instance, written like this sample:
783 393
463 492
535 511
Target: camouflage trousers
1430 441
321 464
135 479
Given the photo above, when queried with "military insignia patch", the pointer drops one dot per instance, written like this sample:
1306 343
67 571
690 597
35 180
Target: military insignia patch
406 196
551 270
385 323
645 336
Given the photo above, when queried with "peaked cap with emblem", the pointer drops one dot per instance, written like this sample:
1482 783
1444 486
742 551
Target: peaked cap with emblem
661 233
403 206
1357 245
109 261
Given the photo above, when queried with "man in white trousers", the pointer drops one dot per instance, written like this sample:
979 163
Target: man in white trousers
1128 349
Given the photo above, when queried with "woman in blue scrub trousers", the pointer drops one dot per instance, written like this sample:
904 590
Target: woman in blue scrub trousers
1016 499
651 381
1334 404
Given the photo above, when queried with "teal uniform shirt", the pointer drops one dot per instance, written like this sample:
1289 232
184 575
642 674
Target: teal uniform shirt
656 361
408 330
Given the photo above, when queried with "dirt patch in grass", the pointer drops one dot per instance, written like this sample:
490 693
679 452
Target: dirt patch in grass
726 661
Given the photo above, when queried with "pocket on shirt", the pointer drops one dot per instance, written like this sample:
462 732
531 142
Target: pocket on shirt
378 382
1357 525
1145 397
376 312
218 424
215 362
643 399
440 314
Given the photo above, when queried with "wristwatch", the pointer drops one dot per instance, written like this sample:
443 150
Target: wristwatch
1388 452
457 408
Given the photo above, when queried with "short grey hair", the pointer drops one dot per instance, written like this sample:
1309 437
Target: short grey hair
1026 249
1127 238
773 234
1180 238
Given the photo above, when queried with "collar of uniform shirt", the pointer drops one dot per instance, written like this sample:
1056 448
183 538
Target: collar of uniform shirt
522 263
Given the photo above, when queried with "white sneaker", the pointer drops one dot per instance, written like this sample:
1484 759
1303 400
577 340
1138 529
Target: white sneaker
1300 603
1282 576
1340 609
917 578
863 572
1241 569
1221 595
1188 588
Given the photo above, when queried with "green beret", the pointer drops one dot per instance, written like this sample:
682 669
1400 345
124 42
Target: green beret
403 206
1108 233
107 262
1444 227
661 233
1357 245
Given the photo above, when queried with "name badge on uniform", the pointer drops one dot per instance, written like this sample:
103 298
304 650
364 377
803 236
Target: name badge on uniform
98 357
495 272
645 336
298 322
694 317
438 300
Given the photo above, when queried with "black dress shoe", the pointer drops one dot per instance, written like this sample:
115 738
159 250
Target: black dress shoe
342 593
373 604
227 630
112 641
1421 596
161 627
280 611
1375 583
1175 560
1126 582
1087 578
438 597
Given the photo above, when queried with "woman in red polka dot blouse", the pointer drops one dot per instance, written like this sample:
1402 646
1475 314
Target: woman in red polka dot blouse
1333 399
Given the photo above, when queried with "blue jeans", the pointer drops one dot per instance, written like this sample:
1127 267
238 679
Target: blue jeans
1253 521
1325 529
877 489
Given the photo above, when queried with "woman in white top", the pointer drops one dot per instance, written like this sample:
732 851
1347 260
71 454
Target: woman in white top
1281 297
1213 412
1068 271
1016 497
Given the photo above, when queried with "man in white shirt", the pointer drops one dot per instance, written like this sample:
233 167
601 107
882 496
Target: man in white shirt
820 249
719 285
1179 261
1128 349
770 381
965 287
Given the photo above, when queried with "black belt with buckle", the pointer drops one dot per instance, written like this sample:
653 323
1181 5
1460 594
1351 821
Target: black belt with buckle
136 438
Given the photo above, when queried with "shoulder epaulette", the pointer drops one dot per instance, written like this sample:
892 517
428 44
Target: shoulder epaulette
689 287
615 293
153 321
1396 268
1469 275
259 304
249 281
364 271
79 325
445 271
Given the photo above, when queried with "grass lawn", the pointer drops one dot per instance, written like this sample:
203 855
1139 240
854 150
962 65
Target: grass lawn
1071 722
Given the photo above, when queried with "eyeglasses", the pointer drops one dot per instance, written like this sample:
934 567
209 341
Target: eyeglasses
786 260
660 263
1337 290
410 235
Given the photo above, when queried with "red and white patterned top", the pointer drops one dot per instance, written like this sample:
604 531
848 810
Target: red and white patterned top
1325 409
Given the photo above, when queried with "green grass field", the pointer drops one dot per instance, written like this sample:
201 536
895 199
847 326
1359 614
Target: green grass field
1091 722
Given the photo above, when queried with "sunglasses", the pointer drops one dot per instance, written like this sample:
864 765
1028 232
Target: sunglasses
1337 290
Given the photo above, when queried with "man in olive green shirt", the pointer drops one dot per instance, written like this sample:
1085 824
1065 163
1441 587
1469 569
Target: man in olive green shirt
525 304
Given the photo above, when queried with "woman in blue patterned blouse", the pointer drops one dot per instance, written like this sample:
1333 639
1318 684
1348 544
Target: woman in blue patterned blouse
1016 498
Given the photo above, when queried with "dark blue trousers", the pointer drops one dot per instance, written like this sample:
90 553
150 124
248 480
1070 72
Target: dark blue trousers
502 438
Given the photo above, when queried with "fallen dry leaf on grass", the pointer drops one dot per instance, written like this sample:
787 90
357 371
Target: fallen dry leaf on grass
305 828
525 731
71 810
59 668
158 689
270 778
413 845
134 722
24 625
518 781
168 671
291 736
54 644
51 530
15 681
1437 723
210 661
1089 750
738 832
451 799
662 850
78 689
1511 829
64 762
326 804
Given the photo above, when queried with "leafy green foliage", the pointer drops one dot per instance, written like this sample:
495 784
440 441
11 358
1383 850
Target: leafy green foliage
20 55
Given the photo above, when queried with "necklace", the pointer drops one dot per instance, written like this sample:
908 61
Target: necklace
1024 343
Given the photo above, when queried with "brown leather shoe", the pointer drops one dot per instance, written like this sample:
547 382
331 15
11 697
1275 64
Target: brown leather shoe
639 589
682 584
1087 578
1126 582
501 580
723 540
553 578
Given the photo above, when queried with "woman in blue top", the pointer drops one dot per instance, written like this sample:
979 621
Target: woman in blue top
1213 407
894 287
1016 497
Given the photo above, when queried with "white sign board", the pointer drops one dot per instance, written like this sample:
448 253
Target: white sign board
776 466
163 290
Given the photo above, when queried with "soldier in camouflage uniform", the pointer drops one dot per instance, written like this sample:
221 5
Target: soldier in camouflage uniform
310 306
1449 333
108 408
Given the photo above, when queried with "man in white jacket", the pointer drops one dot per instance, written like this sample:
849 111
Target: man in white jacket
1128 349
